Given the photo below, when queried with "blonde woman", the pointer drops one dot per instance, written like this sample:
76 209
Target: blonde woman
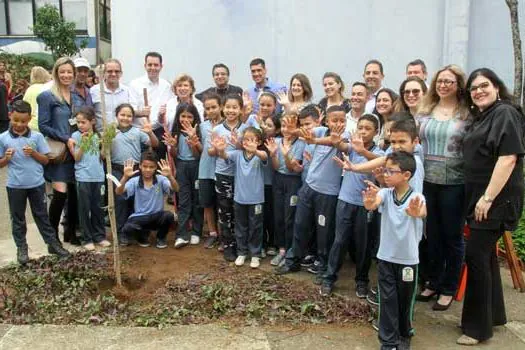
442 116
184 89
54 122
37 80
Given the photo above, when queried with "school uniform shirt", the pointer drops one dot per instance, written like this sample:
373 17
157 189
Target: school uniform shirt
89 168
296 152
354 183
22 171
158 94
128 144
306 163
249 178
207 162
112 99
183 149
148 201
226 166
269 86
324 175
171 110
400 233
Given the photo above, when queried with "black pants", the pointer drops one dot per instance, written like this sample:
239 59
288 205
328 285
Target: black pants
123 206
285 188
224 189
484 306
313 209
351 227
140 226
161 149
268 222
249 228
90 213
444 229
188 204
397 292
37 202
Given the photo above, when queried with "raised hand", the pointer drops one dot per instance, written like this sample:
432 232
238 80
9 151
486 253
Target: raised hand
414 207
379 174
336 135
307 135
344 163
234 138
147 128
192 141
271 146
9 153
169 139
188 129
250 146
248 104
219 143
370 194
285 148
164 168
128 168
290 122
283 99
357 143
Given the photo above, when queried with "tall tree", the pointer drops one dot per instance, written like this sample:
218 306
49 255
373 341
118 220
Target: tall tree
518 56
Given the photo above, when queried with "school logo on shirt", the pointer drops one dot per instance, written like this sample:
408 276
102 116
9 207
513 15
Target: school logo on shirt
157 188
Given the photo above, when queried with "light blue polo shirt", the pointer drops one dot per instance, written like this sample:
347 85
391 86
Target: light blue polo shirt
324 175
226 166
207 162
296 152
89 168
400 233
128 144
249 178
22 171
183 149
354 183
306 163
148 201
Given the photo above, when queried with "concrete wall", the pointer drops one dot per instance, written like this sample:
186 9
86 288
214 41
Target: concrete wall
292 36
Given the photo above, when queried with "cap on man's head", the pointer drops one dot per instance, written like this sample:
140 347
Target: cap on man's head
81 62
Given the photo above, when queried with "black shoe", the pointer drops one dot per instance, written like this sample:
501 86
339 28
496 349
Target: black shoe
230 252
75 241
308 261
426 298
440 307
326 289
21 256
315 267
361 291
372 299
284 269
404 343
57 249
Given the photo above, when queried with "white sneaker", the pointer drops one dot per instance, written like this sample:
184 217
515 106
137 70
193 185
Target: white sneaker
89 246
104 243
180 242
194 240
240 260
255 263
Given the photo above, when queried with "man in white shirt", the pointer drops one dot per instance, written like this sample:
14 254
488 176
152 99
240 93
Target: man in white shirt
159 91
373 76
115 93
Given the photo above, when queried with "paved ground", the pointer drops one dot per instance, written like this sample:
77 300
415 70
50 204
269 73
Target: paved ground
433 330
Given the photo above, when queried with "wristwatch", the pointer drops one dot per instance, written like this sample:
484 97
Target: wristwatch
487 198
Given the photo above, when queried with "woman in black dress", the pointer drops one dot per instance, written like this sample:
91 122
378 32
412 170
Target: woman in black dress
493 151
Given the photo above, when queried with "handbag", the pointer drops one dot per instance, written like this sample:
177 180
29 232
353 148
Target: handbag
57 151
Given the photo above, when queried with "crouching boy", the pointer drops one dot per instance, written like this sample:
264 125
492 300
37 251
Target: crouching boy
402 212
148 190
25 152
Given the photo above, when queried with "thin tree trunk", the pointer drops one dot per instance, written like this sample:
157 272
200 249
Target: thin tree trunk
111 195
516 43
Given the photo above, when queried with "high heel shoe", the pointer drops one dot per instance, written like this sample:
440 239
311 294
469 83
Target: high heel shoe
425 298
440 307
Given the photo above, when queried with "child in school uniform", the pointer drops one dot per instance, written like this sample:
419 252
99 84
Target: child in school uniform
352 219
89 175
207 196
24 152
186 148
402 212
286 155
148 190
317 198
249 193
129 143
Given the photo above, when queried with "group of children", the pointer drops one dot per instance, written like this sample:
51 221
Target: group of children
286 186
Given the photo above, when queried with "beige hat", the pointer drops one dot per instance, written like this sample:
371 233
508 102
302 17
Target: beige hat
81 62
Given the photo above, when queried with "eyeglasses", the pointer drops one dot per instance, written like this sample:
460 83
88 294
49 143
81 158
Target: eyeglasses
483 87
113 72
390 172
414 92
445 82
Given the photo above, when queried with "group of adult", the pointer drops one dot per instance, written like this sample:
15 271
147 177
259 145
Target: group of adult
470 132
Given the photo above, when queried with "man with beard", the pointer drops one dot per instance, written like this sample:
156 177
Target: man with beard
221 76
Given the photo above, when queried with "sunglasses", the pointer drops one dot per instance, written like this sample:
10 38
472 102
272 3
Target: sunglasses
414 92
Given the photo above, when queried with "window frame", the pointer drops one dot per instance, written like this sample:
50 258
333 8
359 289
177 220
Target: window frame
104 9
